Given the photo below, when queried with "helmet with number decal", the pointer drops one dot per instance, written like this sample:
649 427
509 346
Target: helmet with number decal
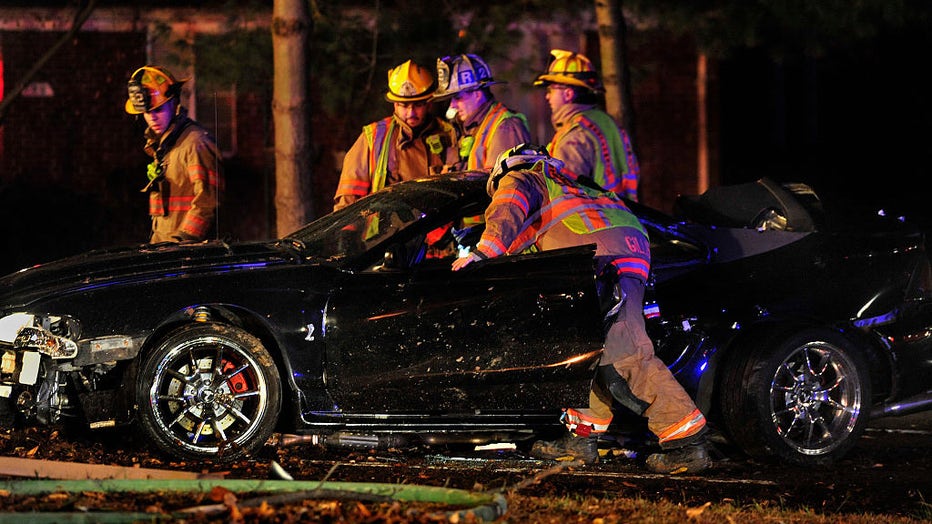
150 87
461 73
572 69
524 156
409 82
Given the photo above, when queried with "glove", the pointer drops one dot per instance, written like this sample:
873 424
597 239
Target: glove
461 262
155 175
153 170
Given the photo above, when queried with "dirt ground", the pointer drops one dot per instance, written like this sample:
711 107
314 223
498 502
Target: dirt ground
888 473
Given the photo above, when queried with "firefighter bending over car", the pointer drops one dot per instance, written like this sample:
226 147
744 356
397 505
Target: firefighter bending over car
535 203
184 175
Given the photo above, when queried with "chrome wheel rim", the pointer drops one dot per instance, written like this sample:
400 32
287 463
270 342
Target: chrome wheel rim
815 398
208 394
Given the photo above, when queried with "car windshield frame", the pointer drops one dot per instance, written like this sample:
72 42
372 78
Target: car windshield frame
359 234
371 222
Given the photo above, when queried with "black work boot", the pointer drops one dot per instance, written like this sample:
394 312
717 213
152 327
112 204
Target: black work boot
568 447
691 458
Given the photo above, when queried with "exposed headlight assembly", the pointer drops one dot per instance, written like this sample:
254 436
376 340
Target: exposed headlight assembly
46 343
49 335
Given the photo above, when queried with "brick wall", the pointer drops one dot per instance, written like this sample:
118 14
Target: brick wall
77 135
65 183
666 110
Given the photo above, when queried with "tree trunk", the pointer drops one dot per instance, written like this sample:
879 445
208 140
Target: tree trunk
290 28
611 22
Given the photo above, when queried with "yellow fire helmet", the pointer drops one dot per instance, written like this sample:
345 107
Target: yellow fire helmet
150 87
569 68
456 74
409 82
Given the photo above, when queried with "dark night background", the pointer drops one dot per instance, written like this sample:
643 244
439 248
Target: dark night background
856 125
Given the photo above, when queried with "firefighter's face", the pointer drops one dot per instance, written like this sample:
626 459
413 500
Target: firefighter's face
413 114
160 117
466 104
558 95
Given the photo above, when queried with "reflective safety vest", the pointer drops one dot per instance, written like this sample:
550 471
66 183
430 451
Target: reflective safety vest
581 209
473 149
615 168
377 136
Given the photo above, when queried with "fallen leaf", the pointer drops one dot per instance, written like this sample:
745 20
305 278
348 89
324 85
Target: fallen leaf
693 513
235 514
266 511
95 495
218 493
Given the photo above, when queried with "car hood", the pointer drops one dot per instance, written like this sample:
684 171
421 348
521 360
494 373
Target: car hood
128 264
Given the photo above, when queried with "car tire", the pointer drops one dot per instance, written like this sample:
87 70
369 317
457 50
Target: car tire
195 410
801 398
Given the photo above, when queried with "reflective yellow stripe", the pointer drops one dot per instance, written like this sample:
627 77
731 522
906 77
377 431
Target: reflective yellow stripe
687 427
583 423
378 135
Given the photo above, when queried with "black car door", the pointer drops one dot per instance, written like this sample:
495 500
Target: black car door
518 333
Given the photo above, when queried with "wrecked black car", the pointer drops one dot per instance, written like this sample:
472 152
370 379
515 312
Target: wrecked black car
791 334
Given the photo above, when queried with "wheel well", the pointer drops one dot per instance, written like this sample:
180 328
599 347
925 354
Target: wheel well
234 316
708 396
871 348
878 360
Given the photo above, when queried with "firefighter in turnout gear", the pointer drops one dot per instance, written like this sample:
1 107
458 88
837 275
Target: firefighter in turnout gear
536 204
184 175
588 141
486 127
410 144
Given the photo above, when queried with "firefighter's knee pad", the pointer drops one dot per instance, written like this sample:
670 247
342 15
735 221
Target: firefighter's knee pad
618 387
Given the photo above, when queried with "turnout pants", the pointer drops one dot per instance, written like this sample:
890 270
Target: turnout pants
632 374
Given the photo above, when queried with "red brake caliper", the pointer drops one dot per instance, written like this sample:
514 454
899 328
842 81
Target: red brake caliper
237 382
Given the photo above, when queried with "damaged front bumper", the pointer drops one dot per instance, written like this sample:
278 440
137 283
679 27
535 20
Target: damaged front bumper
29 338
46 368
